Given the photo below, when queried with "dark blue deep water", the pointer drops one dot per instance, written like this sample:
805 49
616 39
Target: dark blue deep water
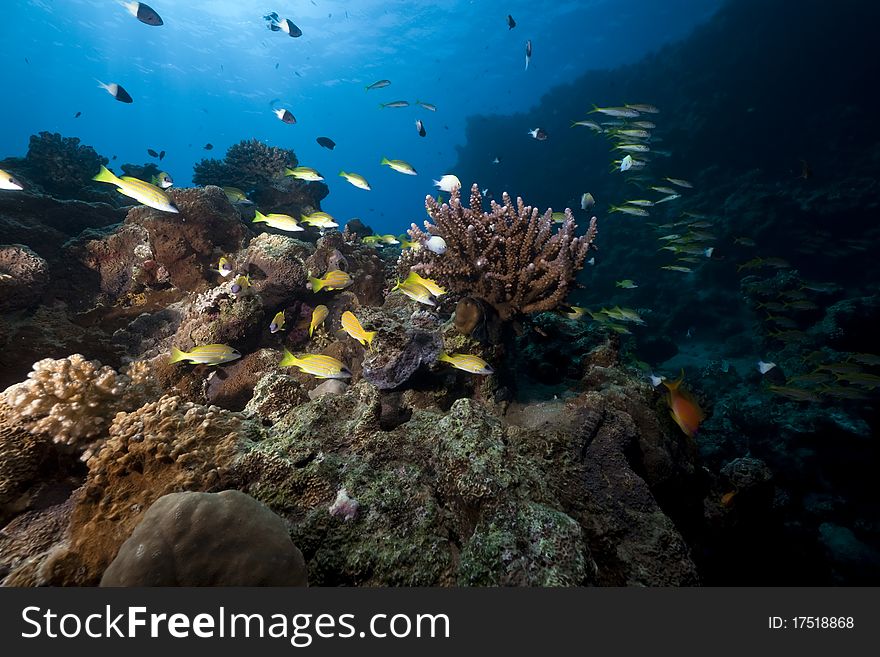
739 248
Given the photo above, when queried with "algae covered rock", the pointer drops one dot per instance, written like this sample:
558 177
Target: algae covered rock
24 276
208 539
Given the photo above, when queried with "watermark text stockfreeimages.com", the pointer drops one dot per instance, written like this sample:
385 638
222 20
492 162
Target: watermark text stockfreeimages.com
300 629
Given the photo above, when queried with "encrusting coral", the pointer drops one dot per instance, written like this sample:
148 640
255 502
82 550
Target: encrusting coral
511 256
73 400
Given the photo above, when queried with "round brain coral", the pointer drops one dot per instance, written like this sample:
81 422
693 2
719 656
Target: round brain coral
208 539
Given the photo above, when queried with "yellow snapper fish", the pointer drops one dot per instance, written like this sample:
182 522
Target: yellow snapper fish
140 191
319 220
427 283
279 221
224 267
631 209
678 182
631 133
407 243
277 322
415 291
643 108
332 280
371 239
162 181
318 365
684 270
617 112
304 173
400 166
466 363
356 180
576 312
8 181
663 190
240 285
319 314
235 195
624 315
592 125
209 354
627 284
352 326
388 239
633 148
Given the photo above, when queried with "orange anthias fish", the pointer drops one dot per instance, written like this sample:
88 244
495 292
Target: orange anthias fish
684 409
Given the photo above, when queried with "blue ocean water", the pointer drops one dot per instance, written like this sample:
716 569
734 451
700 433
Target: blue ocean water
209 73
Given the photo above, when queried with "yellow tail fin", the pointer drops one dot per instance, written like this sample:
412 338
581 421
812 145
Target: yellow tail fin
177 355
288 359
107 176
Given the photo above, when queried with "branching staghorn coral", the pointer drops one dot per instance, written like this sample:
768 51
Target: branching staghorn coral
510 257
73 400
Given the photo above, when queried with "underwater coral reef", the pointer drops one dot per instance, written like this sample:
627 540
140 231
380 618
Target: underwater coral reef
682 391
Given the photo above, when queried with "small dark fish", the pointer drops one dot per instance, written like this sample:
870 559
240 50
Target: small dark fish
287 26
116 91
27 61
152 153
144 13
77 115
297 74
510 22
285 116
161 155
113 158
421 128
326 142
276 66
208 147
528 53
